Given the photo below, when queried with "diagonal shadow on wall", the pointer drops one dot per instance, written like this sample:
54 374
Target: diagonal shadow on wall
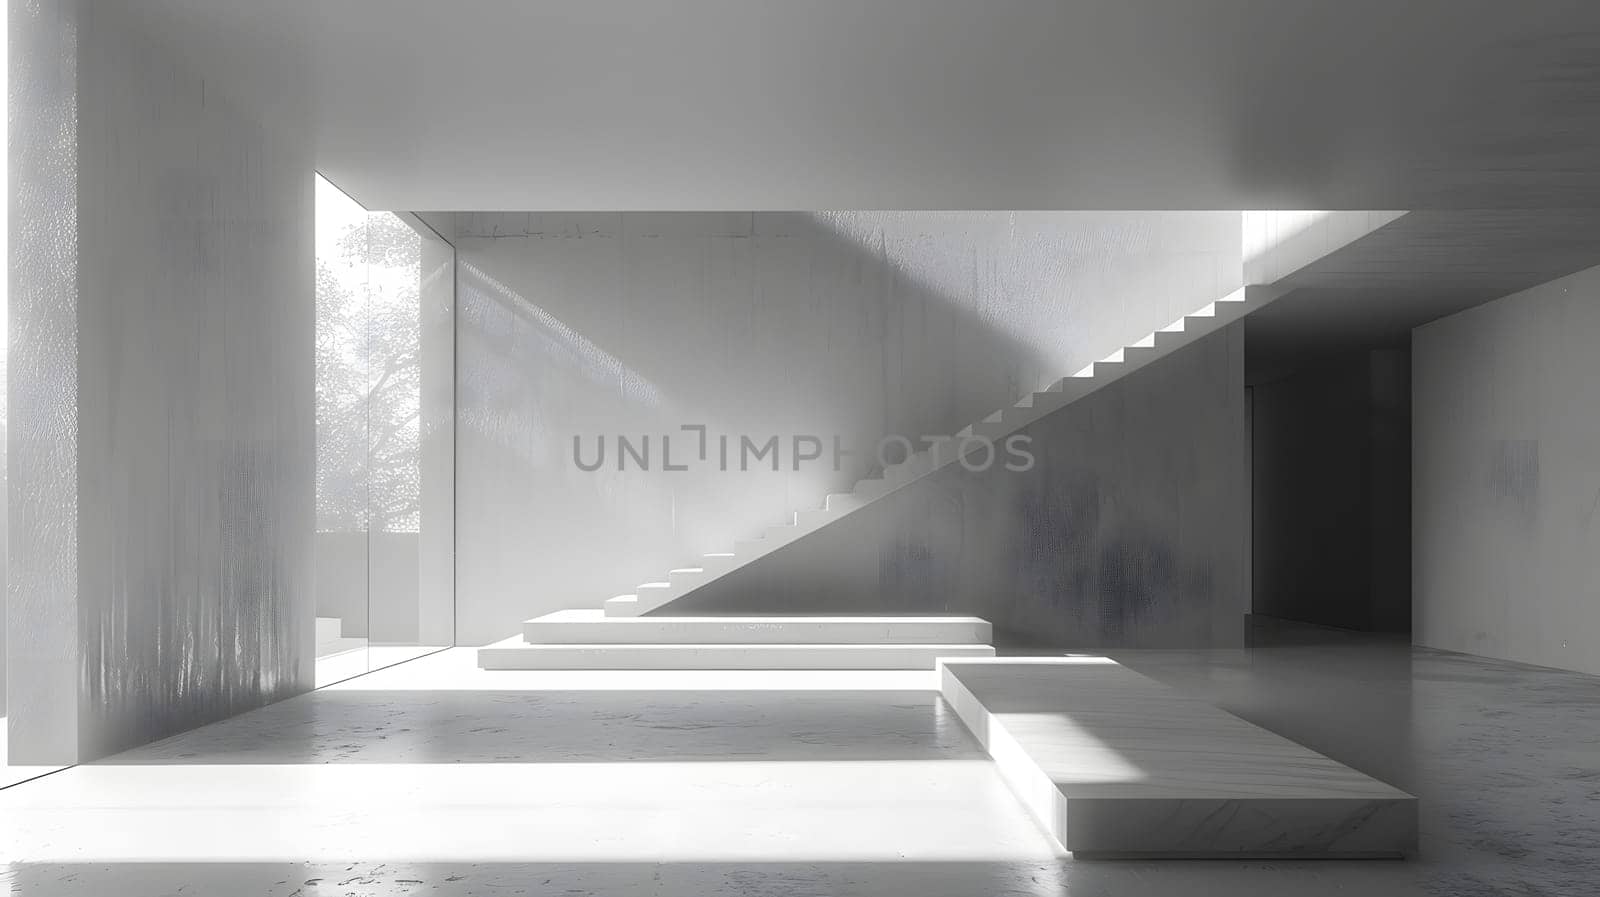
844 326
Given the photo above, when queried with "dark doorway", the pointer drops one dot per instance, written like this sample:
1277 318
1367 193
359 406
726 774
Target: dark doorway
1331 492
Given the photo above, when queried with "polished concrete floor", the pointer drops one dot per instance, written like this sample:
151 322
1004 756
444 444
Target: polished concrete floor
436 778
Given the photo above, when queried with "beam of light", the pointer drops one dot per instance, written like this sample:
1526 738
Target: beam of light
1277 243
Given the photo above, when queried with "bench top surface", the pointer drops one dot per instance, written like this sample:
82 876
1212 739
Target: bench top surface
1101 730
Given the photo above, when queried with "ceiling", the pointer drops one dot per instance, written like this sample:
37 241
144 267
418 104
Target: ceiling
915 104
1421 267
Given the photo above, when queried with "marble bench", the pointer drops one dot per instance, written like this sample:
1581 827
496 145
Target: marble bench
1118 766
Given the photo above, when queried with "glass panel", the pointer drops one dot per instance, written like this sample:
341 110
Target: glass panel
436 572
404 620
343 380
385 438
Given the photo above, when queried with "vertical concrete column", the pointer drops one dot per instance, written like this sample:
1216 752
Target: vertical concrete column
42 441
162 430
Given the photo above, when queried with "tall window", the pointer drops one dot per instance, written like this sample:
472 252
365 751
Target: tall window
369 368
384 296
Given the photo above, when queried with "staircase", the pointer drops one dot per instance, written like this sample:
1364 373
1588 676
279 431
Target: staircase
618 636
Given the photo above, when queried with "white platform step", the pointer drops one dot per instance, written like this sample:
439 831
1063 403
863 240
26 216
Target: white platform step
593 627
329 629
1118 766
516 654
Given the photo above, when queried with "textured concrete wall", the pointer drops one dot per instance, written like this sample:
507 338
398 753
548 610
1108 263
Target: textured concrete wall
1131 530
1331 493
42 385
161 393
852 325
1506 477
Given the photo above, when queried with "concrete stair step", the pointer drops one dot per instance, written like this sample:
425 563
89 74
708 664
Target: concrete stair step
1102 756
329 629
622 606
593 627
810 519
685 578
516 654
843 502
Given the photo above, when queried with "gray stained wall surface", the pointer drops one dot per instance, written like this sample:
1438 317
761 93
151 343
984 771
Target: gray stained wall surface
1129 531
1506 448
847 325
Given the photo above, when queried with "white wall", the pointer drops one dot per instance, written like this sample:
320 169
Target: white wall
1506 477
161 392
852 325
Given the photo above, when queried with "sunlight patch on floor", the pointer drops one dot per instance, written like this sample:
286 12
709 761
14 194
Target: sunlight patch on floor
768 811
456 669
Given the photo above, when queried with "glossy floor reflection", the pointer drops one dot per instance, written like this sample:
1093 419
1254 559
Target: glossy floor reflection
437 778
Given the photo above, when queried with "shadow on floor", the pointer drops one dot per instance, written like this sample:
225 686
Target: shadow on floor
1347 695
